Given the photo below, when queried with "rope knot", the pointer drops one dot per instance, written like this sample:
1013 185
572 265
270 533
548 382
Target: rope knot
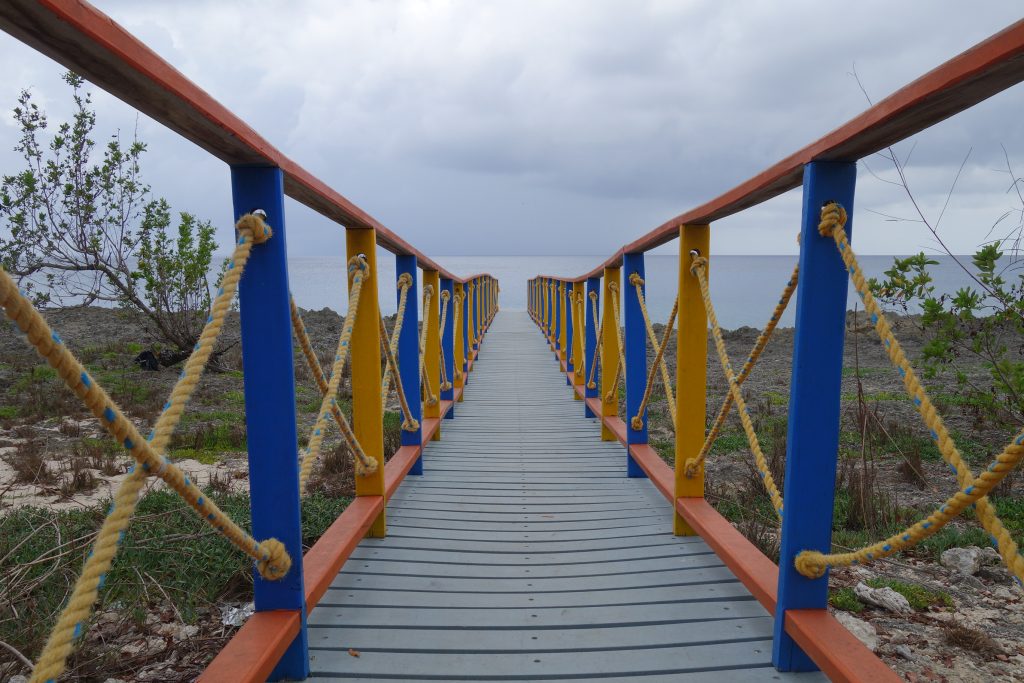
274 562
445 295
428 290
613 286
833 216
698 263
636 423
593 296
635 279
358 263
404 280
811 564
253 227
691 467
365 468
411 425
591 385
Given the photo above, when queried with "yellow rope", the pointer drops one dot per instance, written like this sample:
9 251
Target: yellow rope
456 331
358 269
426 390
597 346
659 350
697 268
445 384
659 361
620 369
973 489
404 284
580 317
409 423
272 560
692 466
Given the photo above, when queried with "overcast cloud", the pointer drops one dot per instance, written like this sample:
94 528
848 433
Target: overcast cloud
560 127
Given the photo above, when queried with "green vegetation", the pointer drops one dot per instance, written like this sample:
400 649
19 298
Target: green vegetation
917 595
845 599
167 545
8 412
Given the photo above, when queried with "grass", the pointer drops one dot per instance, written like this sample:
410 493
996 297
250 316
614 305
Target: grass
845 599
206 457
865 372
8 412
917 595
168 546
729 442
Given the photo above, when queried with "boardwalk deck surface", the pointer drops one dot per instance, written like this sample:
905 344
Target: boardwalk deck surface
524 553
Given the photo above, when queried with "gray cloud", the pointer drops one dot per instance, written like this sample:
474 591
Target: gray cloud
501 127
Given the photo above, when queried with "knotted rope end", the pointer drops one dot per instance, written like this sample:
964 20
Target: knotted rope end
275 561
254 227
811 563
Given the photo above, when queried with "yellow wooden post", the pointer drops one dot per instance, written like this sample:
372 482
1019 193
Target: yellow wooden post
562 351
578 333
367 413
609 353
460 347
691 370
432 347
480 311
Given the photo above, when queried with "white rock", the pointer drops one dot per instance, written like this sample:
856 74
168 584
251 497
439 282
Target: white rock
904 651
17 679
990 555
967 560
6 451
864 631
885 598
231 615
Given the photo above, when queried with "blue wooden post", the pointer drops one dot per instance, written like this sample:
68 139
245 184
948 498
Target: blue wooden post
567 302
813 437
448 345
593 285
635 341
409 352
269 373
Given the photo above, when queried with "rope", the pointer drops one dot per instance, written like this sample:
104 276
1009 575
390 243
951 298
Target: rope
445 384
358 270
659 350
659 361
409 423
620 369
697 267
428 293
313 363
581 330
456 331
597 347
973 490
404 284
692 466
272 560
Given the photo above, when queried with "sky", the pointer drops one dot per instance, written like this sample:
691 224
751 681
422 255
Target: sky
572 127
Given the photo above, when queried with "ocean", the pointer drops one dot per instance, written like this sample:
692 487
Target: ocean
744 288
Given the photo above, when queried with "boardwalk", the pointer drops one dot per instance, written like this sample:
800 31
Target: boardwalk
525 553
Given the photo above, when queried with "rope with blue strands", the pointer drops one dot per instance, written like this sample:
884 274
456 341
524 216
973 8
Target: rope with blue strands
698 269
272 560
692 466
973 489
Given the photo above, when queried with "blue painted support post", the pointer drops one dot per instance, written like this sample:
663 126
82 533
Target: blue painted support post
635 342
269 371
567 303
448 346
813 436
593 288
409 353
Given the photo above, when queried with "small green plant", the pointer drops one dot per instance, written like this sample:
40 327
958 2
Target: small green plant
8 412
917 595
845 599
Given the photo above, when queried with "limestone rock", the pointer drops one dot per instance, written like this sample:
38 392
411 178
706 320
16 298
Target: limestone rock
886 598
863 631
967 560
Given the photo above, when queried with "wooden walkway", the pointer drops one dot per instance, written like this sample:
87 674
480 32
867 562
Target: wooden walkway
524 553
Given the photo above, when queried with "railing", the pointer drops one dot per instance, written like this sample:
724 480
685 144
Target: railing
456 316
796 591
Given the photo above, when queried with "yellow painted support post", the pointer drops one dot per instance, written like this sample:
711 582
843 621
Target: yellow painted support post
578 333
561 323
460 347
432 347
691 369
367 412
609 352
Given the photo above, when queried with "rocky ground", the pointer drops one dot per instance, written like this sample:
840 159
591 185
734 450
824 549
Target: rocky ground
965 623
